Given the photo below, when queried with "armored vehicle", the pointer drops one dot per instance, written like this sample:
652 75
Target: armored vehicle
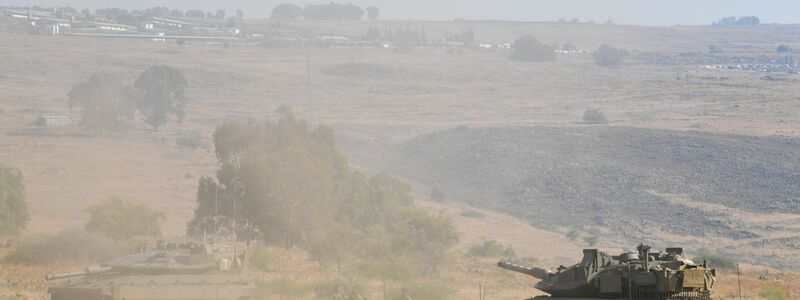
644 275
168 271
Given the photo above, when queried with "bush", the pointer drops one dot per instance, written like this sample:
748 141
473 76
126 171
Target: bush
123 221
491 249
472 214
422 291
593 116
14 215
438 195
608 56
259 258
773 293
340 289
69 245
192 140
573 235
527 48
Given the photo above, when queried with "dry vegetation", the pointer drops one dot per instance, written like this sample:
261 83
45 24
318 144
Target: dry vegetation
389 99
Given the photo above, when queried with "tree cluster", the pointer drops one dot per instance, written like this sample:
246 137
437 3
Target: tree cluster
733 21
286 184
330 11
14 216
528 48
287 11
107 104
133 17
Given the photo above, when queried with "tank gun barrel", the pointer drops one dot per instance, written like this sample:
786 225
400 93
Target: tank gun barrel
536 272
87 271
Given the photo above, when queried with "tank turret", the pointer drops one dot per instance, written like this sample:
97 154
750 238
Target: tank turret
633 275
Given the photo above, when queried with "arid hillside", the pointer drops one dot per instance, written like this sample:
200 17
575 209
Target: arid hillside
712 148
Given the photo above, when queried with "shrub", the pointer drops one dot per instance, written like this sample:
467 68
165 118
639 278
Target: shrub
340 289
123 221
438 195
69 245
773 293
593 116
528 48
13 209
259 258
192 140
491 249
608 56
472 214
573 235
715 49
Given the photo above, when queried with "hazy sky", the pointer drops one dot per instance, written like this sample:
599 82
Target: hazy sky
643 12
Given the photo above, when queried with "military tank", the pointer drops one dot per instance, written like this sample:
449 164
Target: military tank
638 275
168 271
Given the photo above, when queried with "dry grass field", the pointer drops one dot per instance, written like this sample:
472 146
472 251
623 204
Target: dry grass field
399 97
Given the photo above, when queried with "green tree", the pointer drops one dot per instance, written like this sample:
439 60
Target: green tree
528 48
286 11
105 102
289 185
121 221
162 94
608 56
14 215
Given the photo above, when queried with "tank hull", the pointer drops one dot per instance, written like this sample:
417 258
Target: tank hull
159 287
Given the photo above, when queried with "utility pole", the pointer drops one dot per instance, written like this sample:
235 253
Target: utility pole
739 280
